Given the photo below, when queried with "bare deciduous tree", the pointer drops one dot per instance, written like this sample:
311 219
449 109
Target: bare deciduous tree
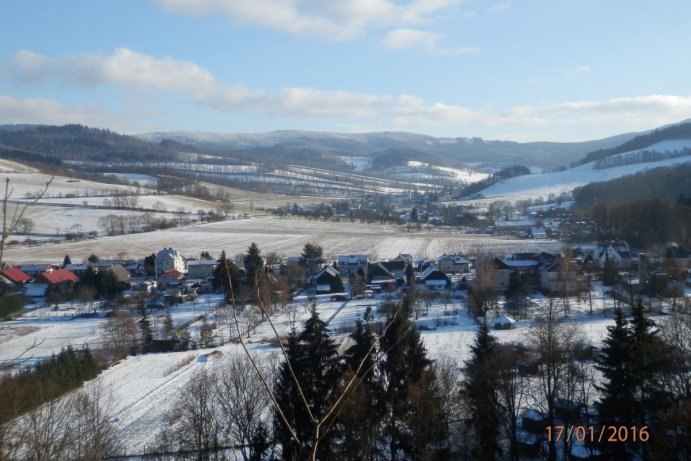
13 215
553 342
242 401
76 426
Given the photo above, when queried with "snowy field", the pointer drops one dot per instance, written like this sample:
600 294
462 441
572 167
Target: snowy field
31 183
286 237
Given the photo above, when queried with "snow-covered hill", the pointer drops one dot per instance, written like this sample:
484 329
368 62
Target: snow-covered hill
542 185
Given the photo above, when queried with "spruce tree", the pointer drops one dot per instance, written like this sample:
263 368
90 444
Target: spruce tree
225 273
617 405
252 262
364 408
66 261
168 325
145 328
480 390
406 373
314 360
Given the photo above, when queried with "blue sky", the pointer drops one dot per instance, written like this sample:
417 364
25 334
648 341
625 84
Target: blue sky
507 69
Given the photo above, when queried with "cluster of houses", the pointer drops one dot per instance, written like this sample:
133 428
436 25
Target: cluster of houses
176 279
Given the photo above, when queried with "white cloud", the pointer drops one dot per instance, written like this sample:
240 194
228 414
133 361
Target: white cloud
50 112
333 20
123 67
582 69
502 7
135 72
421 40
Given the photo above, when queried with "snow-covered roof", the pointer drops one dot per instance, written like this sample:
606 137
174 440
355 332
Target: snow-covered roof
504 320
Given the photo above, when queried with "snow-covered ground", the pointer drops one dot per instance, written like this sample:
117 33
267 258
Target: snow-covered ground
144 388
287 237
30 183
533 186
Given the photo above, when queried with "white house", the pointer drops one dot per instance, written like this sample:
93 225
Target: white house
349 264
168 259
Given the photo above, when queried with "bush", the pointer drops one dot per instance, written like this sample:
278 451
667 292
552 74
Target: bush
10 305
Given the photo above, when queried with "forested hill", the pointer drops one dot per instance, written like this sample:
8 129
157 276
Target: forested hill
659 183
679 131
78 142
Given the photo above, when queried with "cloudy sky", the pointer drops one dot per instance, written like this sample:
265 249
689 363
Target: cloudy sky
558 70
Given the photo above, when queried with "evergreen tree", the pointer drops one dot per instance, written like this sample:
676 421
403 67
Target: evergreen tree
414 217
480 390
337 285
225 273
409 428
617 404
364 409
253 263
145 328
66 261
314 360
651 359
168 325
150 264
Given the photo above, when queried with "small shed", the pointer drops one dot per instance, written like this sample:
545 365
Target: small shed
504 323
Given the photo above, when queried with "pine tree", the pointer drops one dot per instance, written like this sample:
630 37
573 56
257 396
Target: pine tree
66 261
314 360
480 390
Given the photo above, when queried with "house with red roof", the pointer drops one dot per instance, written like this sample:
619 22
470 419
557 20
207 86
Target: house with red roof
170 278
17 276
60 279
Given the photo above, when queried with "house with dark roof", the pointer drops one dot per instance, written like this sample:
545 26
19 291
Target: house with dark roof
328 281
378 274
35 270
434 279
201 269
556 279
396 267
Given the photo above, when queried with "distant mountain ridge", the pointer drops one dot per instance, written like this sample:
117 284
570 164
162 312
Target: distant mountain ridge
454 152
